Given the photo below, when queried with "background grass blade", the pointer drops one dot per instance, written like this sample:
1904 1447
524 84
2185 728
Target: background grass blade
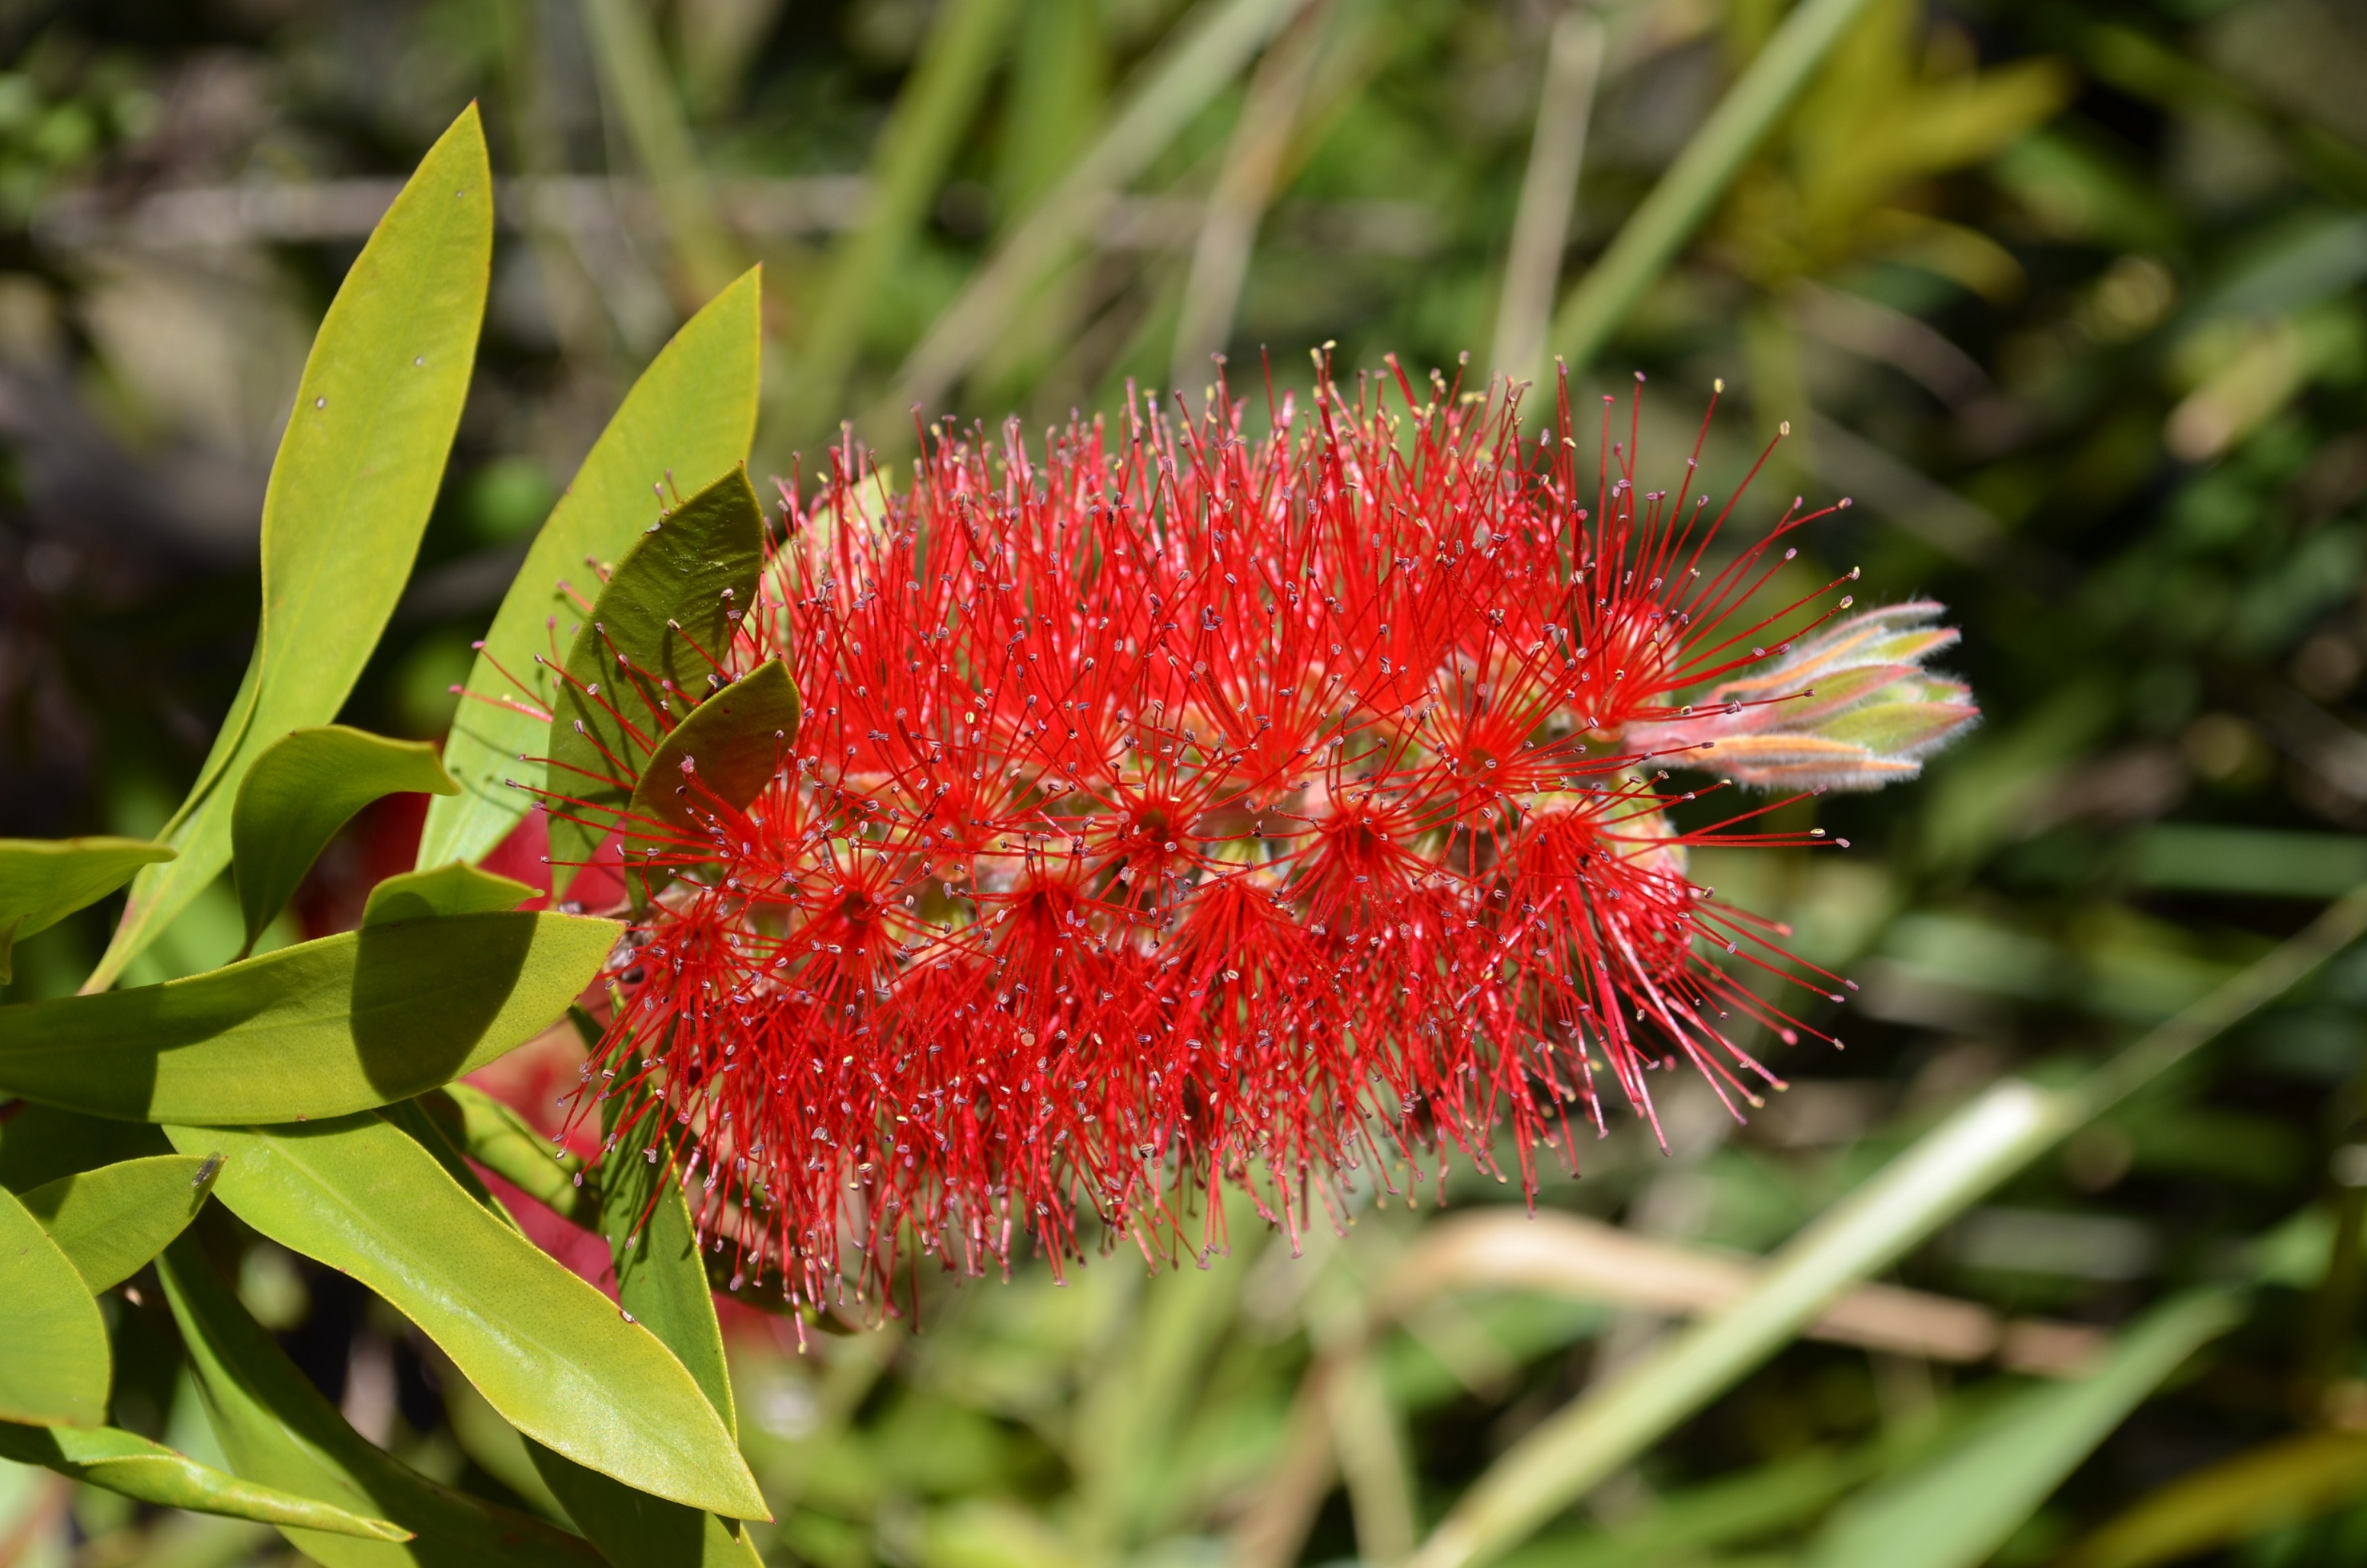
1957 1508
58 1364
1692 184
320 1029
1211 46
2265 1488
634 71
300 791
110 1221
964 44
1548 193
1577 1447
277 1429
545 1348
129 1464
1940 1176
357 472
690 417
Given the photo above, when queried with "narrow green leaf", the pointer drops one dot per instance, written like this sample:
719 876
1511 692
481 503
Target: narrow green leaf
550 1352
628 1525
350 491
453 889
660 1275
1683 196
56 1366
645 655
691 414
125 1463
44 880
320 1029
634 1526
734 741
301 789
2271 1486
503 1142
110 1221
1957 1508
277 1429
662 1280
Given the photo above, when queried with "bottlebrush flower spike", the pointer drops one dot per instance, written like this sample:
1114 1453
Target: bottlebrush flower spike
1177 810
1850 708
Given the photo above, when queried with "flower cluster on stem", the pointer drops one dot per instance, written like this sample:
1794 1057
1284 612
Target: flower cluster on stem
1176 808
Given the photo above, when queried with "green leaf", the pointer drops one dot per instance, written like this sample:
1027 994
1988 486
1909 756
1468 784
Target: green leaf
2271 1486
734 741
277 1429
301 790
662 1280
110 1221
693 414
648 652
356 474
634 1526
452 889
660 1276
125 1463
320 1029
1960 1506
546 1350
664 1288
503 1142
56 1366
44 880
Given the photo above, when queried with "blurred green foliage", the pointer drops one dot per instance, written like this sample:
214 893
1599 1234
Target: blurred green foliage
2068 297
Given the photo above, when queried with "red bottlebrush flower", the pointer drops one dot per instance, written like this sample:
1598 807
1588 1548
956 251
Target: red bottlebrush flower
1176 808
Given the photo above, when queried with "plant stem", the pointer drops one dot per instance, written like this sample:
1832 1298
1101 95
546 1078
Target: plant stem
1694 182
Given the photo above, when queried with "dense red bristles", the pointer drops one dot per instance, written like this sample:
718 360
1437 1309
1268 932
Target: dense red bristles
1174 808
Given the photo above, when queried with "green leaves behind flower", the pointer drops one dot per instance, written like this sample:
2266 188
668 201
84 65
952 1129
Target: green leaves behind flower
300 791
129 1464
501 1141
351 488
320 1029
651 649
733 743
692 414
1851 707
57 1366
44 880
548 1351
